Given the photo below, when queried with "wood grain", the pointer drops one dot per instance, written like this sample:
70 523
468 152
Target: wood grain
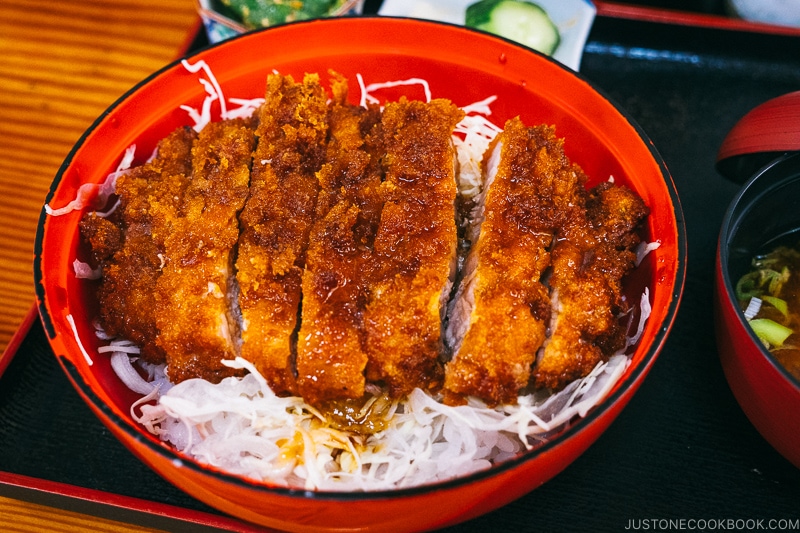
24 517
61 65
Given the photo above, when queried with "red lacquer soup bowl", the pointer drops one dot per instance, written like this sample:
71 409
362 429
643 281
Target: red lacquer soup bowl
459 64
765 213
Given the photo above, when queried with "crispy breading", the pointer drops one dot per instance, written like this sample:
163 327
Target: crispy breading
342 222
542 286
195 292
501 309
129 245
276 223
103 236
331 354
593 252
415 247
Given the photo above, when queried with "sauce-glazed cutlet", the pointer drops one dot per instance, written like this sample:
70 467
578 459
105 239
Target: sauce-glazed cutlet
195 294
594 251
541 293
276 222
331 351
415 246
616 213
129 245
500 312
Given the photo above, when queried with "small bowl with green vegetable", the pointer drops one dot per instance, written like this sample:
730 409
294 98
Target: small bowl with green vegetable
757 301
224 19
556 28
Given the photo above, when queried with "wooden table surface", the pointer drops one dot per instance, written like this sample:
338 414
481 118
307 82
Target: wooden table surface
61 64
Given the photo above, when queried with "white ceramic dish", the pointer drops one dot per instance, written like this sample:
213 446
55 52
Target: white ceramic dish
573 18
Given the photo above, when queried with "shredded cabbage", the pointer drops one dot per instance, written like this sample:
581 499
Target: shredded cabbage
240 426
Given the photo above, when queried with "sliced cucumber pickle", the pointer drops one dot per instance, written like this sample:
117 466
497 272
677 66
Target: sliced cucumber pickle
518 20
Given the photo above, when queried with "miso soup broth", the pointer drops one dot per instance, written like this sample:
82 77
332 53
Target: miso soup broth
769 296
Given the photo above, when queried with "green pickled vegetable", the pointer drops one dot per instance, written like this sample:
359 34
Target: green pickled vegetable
518 20
262 13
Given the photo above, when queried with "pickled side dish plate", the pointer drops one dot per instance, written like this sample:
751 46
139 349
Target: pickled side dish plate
462 65
572 19
224 19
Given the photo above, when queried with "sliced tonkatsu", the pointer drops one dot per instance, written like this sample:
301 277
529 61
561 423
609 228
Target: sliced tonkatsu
415 247
541 294
500 312
196 291
129 244
276 223
594 251
320 241
331 355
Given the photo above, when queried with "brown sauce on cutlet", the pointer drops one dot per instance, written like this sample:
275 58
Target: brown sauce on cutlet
415 246
129 245
493 358
320 241
196 326
331 354
276 223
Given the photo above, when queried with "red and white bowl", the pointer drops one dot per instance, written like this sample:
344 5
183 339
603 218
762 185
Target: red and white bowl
459 64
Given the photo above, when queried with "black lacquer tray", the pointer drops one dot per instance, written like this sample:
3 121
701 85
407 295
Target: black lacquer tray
681 454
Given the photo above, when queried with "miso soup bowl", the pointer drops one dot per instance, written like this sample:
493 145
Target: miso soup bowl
766 209
462 65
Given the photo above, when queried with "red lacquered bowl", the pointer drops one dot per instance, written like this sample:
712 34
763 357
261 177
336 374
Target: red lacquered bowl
460 64
765 210
761 136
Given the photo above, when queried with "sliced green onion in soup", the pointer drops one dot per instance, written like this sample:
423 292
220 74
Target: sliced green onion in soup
748 287
769 331
777 303
778 279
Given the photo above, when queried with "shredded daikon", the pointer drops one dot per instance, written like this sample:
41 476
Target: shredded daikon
367 90
202 116
474 133
645 248
242 427
239 425
85 354
121 363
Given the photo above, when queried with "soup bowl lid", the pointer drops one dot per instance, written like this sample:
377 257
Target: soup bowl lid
766 132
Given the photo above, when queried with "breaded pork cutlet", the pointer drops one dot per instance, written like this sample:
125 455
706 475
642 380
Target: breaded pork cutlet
500 312
415 247
594 251
196 290
276 222
331 351
129 245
